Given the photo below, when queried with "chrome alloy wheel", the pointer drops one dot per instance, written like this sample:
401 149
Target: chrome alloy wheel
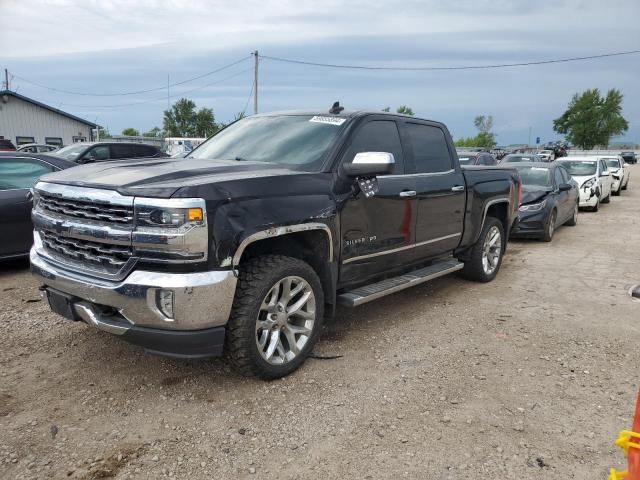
285 320
491 250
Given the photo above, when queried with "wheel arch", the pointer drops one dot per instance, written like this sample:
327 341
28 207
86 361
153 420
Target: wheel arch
310 242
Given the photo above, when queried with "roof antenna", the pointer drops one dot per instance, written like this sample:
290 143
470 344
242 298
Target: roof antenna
336 108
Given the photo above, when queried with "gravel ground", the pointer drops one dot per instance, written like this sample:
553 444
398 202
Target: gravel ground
529 377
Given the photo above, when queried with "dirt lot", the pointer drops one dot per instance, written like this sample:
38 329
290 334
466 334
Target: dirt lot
529 377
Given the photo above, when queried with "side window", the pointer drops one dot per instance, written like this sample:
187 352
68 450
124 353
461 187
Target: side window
378 136
491 160
429 145
122 151
16 173
565 175
144 151
603 166
558 177
101 152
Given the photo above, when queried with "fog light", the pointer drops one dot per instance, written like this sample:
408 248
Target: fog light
165 302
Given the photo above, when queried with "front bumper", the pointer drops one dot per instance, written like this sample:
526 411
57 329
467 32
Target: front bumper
588 197
130 308
530 224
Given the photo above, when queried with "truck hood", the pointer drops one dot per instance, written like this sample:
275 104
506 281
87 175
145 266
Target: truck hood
162 177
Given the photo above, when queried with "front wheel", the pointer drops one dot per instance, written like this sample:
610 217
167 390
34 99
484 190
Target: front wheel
486 255
550 229
573 221
276 316
608 199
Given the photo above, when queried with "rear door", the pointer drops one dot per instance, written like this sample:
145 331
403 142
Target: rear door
440 188
378 231
565 207
17 176
123 150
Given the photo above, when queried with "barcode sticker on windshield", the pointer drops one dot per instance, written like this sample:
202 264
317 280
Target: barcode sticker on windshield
330 120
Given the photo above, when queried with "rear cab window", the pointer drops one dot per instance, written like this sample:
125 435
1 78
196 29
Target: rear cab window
429 148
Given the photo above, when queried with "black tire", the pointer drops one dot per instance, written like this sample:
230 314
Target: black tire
625 185
596 207
573 221
474 268
617 192
256 279
550 228
607 199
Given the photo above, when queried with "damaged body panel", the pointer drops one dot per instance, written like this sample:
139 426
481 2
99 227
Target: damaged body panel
355 197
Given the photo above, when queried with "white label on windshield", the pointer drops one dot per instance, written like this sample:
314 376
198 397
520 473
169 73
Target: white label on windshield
329 120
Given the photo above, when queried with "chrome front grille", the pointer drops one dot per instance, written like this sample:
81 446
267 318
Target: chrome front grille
89 210
103 256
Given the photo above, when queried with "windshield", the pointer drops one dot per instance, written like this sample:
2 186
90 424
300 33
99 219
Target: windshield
579 168
297 141
613 163
521 158
467 160
72 151
539 176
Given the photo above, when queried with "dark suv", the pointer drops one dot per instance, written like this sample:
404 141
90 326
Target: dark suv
104 151
629 157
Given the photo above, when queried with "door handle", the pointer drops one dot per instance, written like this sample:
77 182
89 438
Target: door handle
458 188
408 193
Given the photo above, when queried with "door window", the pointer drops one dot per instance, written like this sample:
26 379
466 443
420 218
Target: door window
378 136
558 177
565 175
100 152
122 151
430 151
21 173
144 151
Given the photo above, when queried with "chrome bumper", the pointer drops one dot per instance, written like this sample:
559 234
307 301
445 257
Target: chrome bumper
201 300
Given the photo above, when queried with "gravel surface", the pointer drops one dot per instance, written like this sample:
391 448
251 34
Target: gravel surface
528 377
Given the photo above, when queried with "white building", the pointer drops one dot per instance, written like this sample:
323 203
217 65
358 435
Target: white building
24 120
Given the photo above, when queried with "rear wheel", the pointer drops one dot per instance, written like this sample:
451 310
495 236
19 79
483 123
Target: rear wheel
486 255
573 221
550 229
276 316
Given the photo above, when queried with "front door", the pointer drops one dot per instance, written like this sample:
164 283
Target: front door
377 231
440 187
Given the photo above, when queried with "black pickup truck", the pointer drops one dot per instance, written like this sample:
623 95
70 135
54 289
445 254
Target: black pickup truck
250 242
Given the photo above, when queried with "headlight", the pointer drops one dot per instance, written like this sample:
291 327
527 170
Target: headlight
589 183
149 216
170 230
533 207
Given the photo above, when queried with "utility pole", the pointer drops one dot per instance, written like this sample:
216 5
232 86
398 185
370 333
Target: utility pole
255 82
6 79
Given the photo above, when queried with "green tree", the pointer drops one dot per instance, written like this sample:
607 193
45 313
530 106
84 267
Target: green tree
592 120
485 137
154 132
131 132
386 109
404 110
182 120
104 134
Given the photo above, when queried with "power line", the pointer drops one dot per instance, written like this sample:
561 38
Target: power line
164 87
161 98
459 67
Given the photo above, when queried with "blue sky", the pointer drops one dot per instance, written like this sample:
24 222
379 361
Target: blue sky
113 46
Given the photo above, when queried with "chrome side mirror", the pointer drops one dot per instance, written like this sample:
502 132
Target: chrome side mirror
370 164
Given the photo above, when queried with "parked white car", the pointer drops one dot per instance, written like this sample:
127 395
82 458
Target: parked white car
593 177
546 155
36 148
620 173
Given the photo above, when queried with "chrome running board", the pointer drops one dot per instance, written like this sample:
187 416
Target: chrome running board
367 293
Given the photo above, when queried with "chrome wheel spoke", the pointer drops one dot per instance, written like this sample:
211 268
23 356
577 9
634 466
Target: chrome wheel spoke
298 330
262 339
291 340
273 344
301 302
491 250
